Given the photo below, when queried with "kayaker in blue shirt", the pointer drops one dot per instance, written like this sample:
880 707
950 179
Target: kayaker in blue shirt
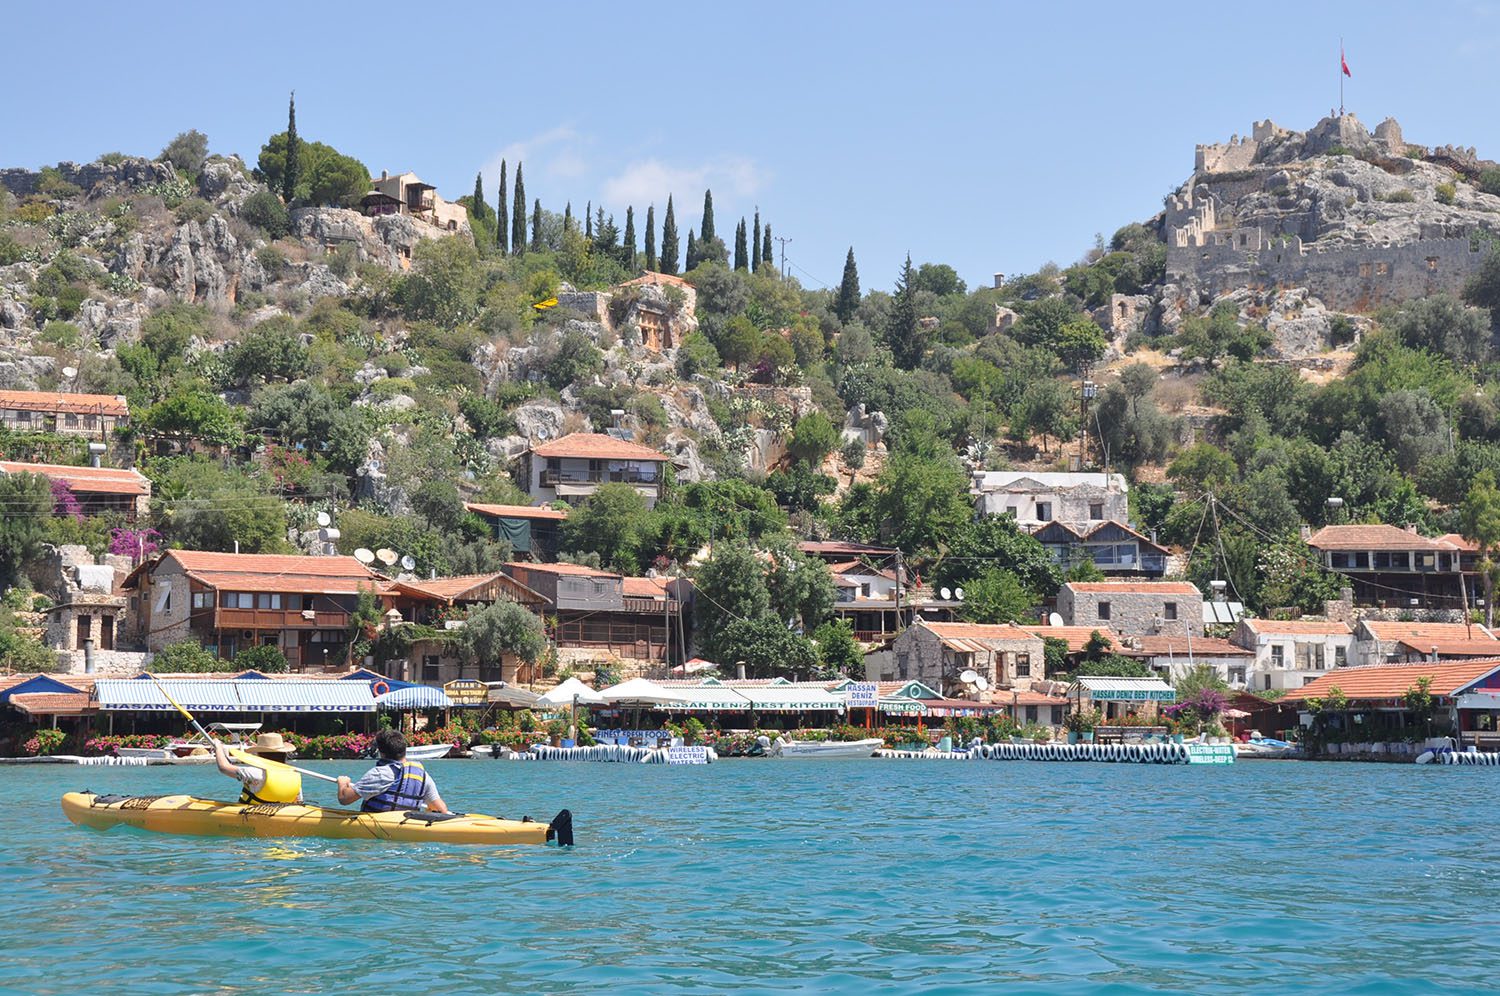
394 784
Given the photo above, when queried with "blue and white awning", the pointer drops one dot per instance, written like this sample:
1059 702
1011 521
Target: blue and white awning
414 697
211 695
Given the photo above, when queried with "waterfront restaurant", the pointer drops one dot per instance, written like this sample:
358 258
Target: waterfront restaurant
1465 700
1116 698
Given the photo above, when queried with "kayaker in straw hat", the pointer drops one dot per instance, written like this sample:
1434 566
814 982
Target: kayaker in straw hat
394 784
269 784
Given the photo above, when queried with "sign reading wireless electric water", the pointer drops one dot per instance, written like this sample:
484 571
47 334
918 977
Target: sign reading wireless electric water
687 755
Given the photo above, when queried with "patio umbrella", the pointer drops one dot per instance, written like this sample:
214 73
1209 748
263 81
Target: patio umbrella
572 691
505 693
415 697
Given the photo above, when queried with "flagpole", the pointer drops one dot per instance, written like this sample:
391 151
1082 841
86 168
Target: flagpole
1341 75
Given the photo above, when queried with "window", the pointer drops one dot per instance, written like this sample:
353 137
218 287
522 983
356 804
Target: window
1426 561
1096 510
70 420
1103 610
1278 656
236 600
1169 610
1031 714
1013 511
1044 511
1340 656
268 600
1236 676
1395 560
1320 659
902 662
430 668
1023 665
203 599
91 421
1349 560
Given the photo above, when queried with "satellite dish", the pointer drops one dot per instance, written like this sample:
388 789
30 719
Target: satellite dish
945 593
409 562
958 593
1053 619
70 372
364 556
981 683
386 556
544 433
324 519
969 677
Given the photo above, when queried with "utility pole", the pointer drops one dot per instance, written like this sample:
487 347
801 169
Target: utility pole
783 254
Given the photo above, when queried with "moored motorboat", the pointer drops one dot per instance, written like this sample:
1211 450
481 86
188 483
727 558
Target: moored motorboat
1263 747
183 814
429 752
825 748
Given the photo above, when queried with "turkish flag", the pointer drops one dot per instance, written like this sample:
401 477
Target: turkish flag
1343 63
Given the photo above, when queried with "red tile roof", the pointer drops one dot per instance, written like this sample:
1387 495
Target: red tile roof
55 401
1431 632
860 567
453 588
1134 588
517 511
275 572
1296 627
85 480
574 569
1451 648
597 446
1392 681
318 584
54 703
1166 644
1459 543
646 587
1372 537
977 631
844 548
1077 636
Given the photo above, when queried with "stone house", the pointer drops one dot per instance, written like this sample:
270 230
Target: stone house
406 194
600 615
1035 498
1378 641
572 468
1111 546
93 416
1133 608
1173 655
1398 568
227 602
662 306
99 490
1290 653
1006 656
442 603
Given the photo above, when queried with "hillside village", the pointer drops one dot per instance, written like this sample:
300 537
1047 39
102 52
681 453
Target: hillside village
306 419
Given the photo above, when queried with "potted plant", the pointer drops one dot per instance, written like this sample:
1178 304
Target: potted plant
556 730
1080 725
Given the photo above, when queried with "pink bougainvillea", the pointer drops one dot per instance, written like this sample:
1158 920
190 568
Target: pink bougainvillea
64 501
137 543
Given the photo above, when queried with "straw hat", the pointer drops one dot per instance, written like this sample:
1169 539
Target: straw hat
269 743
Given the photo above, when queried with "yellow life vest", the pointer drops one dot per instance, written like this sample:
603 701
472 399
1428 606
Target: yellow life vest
282 783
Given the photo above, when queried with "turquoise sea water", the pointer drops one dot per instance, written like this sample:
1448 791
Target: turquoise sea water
787 876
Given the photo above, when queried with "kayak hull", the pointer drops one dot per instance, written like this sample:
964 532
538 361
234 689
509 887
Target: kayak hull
184 814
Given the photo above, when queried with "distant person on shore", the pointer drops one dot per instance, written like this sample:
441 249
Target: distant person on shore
394 784
269 784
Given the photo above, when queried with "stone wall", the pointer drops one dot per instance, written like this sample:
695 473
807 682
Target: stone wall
107 663
107 177
1132 612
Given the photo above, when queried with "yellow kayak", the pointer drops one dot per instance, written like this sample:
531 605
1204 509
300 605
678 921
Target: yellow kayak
185 814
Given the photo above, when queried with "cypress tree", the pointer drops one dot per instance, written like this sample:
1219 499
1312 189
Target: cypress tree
502 216
293 170
755 256
604 240
518 216
847 302
668 259
765 249
902 333
567 216
651 237
692 252
741 254
706 230
588 221
536 226
479 204
627 250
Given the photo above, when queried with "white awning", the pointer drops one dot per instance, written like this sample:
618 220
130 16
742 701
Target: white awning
239 695
792 698
708 698
1128 689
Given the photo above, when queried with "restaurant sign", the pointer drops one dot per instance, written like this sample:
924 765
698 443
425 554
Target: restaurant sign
903 707
467 691
1133 694
864 695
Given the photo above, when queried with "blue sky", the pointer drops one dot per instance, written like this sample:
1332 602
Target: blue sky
987 136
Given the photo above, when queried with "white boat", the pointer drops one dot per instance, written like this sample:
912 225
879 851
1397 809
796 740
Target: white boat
429 752
826 748
148 753
1263 747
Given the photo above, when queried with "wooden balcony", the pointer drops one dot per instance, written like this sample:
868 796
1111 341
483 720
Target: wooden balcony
277 619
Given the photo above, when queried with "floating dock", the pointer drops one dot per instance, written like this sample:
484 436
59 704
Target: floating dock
1107 753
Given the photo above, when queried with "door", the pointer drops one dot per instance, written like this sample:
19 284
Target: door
85 630
107 633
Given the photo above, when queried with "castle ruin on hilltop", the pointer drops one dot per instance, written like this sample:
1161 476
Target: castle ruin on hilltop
1380 222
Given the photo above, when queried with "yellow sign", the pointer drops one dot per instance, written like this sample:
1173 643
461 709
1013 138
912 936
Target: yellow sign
467 691
551 302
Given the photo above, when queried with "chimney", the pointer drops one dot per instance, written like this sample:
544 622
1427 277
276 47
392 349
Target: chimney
88 656
96 450
384 175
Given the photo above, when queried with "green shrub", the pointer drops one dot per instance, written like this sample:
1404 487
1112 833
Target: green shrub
64 334
1397 197
265 211
189 658
1489 181
1445 193
266 659
194 209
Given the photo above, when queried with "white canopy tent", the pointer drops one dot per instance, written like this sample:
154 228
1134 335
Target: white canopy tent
572 691
639 691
